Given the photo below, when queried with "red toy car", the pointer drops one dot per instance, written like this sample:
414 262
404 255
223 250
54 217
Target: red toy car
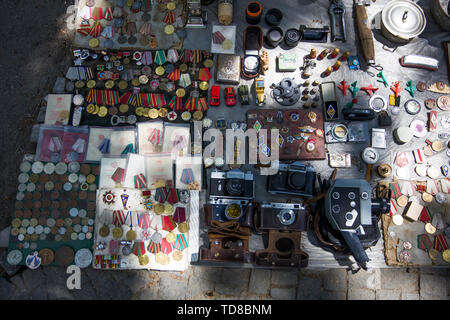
215 96
230 96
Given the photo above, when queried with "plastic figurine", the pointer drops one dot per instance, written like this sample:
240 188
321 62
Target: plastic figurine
344 87
410 88
369 90
354 89
382 79
396 88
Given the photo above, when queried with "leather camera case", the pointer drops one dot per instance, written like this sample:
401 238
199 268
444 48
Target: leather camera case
253 41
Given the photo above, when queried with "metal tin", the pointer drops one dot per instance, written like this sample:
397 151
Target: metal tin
402 21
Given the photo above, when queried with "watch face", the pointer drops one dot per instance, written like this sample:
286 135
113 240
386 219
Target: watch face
14 257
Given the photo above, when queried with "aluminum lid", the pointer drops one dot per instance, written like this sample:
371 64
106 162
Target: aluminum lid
402 18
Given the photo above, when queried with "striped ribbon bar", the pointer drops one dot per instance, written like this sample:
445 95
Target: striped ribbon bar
168 223
166 247
187 176
440 243
173 196
202 105
161 195
176 103
174 75
118 218
181 242
395 190
96 29
170 17
424 242
144 222
173 55
97 14
154 247
139 248
108 14
179 215
425 215
140 182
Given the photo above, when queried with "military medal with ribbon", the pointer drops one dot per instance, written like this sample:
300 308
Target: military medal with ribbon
130 218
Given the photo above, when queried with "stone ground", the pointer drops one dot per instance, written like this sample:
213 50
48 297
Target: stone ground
35 51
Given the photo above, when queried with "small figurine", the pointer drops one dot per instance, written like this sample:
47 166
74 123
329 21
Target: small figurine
264 61
410 88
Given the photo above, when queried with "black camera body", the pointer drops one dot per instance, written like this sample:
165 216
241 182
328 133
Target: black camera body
233 184
293 178
283 216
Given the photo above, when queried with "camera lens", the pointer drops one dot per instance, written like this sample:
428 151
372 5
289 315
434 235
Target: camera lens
297 180
233 211
286 217
234 187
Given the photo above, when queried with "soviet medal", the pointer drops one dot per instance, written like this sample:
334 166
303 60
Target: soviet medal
158 208
183 227
117 233
171 237
143 260
177 255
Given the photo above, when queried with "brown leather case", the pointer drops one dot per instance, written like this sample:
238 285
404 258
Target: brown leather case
253 40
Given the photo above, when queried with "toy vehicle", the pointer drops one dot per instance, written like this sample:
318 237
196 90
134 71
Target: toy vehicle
259 88
243 94
230 96
215 96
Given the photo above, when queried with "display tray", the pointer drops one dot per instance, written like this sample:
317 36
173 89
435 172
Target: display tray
290 123
55 207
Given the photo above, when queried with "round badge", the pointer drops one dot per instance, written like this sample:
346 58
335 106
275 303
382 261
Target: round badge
47 256
123 84
23 177
172 115
25 166
203 85
418 128
132 40
157 237
227 44
428 151
109 84
83 258
421 86
198 115
117 233
437 145
160 70
61 168
127 250
429 228
440 198
397 219
153 113
123 108
208 63
426 197
33 261
93 43
49 168
163 112
443 103
171 237
430 103
104 231
412 106
67 186
102 112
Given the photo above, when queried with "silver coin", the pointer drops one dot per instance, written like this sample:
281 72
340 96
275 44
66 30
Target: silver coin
62 230
82 179
89 235
30 230
25 166
61 168
77 228
33 246
49 185
42 236
20 196
92 187
55 157
82 213
83 258
23 177
73 177
91 222
26 245
72 156
25 223
49 168
37 167
73 212
81 236
20 237
39 229
51 222
31 187
74 167
84 229
47 230
74 236
22 187
67 186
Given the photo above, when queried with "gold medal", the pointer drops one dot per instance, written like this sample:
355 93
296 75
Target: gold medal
203 85
183 67
145 112
429 228
427 197
117 233
180 93
131 235
96 110
34 237
446 255
139 111
168 208
183 227
433 254
208 63
79 84
169 29
428 151
198 115
436 145
162 258
135 82
144 40
123 108
163 112
104 231
123 84
158 208
171 237
90 108
93 43
227 44
102 112
109 84
90 178
177 255
153 113
160 71
91 84
402 201
143 260
171 6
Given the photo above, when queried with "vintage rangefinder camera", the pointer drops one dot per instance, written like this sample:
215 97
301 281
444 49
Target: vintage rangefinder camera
233 184
293 178
282 216
220 209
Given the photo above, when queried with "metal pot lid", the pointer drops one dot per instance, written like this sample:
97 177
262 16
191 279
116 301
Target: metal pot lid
403 18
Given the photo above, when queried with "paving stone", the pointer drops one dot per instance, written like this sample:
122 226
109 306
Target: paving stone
314 273
134 279
33 278
87 291
4 237
259 281
56 291
335 280
285 277
398 278
108 288
171 289
197 288
364 279
150 293
233 281
283 293
334 295
17 280
309 288
436 271
207 273
410 296
393 294
361 294
39 293
6 289
433 287
249 296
